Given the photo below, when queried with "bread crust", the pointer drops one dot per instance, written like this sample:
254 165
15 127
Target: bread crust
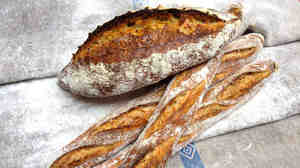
141 48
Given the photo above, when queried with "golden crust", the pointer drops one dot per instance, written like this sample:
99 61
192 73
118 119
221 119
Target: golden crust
158 155
133 119
138 34
241 86
231 59
136 117
186 75
80 155
177 107
238 54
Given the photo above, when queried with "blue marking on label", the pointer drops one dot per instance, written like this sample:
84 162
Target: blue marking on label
190 157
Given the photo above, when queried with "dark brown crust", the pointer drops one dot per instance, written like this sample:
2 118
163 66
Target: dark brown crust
176 26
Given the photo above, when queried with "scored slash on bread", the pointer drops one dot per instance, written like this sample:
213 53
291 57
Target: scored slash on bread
116 131
143 47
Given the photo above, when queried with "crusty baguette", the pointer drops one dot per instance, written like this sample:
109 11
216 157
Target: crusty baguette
233 91
110 134
121 128
143 47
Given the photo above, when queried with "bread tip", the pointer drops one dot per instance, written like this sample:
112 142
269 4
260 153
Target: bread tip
275 66
160 6
236 9
258 36
61 81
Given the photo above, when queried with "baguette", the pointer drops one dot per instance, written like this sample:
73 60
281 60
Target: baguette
120 129
227 96
143 47
111 134
233 91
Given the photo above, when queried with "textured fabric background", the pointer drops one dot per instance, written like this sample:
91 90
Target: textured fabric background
37 38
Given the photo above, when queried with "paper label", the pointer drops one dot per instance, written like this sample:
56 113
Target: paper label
190 157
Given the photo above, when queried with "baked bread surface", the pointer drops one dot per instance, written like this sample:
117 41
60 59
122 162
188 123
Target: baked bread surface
143 47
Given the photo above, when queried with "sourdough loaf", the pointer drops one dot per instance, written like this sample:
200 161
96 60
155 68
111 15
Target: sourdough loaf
143 47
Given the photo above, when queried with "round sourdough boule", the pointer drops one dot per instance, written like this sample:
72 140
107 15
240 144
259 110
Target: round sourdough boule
143 47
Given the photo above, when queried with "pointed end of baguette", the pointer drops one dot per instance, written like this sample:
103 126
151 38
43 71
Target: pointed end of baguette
160 6
236 9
